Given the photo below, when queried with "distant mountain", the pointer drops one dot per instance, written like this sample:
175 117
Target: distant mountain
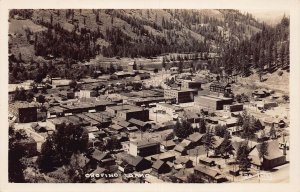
82 34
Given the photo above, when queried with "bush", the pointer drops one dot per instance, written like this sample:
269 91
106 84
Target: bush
280 73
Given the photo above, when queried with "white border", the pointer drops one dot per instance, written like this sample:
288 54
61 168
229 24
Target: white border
292 5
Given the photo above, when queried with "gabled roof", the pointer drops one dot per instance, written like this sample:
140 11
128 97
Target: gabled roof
181 160
195 137
168 143
179 148
218 141
99 155
207 171
185 143
158 164
99 170
132 160
273 150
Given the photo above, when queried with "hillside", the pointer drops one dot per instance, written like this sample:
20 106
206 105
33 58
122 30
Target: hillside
126 33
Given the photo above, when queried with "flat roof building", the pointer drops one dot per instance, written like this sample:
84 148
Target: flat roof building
213 102
144 148
181 95
23 111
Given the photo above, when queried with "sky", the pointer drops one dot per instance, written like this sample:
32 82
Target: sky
269 16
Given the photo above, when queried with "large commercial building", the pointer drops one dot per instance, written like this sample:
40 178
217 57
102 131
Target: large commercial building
144 148
213 102
181 95
169 109
23 111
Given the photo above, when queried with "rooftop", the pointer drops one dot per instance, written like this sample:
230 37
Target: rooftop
145 143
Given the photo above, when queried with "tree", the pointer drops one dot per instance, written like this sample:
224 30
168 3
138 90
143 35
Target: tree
73 84
112 68
183 129
257 125
226 147
202 126
243 157
61 145
194 178
220 130
163 63
113 144
41 99
209 140
134 67
15 153
263 148
272 132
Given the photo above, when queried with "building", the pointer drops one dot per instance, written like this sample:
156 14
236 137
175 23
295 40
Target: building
144 148
160 167
209 175
213 102
134 113
102 159
87 93
23 111
142 76
166 156
184 162
195 138
131 66
141 125
219 87
273 158
167 145
131 163
181 95
56 122
28 145
233 107
188 84
168 108
174 69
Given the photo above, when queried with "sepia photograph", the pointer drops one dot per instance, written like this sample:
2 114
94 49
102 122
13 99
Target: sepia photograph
148 96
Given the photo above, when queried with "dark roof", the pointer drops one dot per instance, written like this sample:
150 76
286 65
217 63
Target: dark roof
207 171
219 84
157 164
132 160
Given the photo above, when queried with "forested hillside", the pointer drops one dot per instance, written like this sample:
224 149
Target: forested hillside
40 39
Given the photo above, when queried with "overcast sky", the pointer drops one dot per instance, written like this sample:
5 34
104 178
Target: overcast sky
268 16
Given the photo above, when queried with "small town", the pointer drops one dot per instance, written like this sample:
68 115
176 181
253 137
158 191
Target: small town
175 120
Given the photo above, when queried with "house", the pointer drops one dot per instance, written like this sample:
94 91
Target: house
180 149
220 87
167 145
141 125
160 167
260 93
207 161
166 156
131 163
144 147
195 138
101 158
174 70
274 156
209 175
182 175
142 76
23 111
184 162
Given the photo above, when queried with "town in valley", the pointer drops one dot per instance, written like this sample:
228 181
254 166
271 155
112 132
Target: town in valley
147 96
